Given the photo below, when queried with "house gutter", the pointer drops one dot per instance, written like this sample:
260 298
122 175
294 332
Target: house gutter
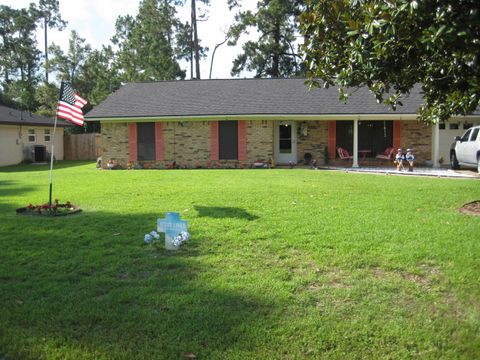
258 117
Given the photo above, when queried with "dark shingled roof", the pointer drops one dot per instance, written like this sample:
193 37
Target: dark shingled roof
9 116
241 97
238 97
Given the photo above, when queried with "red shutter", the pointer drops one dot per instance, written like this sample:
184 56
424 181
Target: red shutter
332 139
132 141
397 134
159 141
242 140
214 140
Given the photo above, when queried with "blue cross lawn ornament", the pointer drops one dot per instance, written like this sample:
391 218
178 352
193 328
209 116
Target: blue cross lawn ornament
171 226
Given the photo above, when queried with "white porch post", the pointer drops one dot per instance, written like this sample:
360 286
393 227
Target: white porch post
355 143
436 145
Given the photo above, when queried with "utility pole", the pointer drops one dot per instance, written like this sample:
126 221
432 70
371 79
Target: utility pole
195 42
46 52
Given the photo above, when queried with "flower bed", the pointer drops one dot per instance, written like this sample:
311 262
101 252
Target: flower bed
56 209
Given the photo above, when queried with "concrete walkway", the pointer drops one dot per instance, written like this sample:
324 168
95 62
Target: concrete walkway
444 173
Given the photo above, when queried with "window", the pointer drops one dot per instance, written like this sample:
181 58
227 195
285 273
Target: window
453 126
285 137
466 135
467 126
375 136
146 141
474 134
228 140
31 135
441 125
46 134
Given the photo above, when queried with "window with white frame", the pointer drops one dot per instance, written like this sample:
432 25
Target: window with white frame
31 135
46 133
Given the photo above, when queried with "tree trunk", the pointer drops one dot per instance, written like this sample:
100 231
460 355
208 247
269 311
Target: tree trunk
276 55
191 52
195 40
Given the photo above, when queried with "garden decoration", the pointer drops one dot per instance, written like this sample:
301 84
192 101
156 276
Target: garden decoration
410 158
175 230
56 209
151 237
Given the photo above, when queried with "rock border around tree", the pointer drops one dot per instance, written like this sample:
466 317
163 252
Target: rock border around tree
56 209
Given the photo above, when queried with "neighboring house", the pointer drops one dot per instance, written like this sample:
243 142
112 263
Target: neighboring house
238 121
28 137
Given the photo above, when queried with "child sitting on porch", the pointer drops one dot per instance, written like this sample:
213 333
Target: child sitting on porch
410 158
399 160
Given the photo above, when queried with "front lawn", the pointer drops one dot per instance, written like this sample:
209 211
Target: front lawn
282 264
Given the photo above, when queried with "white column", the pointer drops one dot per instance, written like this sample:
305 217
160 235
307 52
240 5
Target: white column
355 143
436 145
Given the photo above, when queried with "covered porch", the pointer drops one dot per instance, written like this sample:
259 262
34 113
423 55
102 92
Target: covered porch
366 141
353 140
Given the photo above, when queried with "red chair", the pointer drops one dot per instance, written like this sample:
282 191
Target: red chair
344 154
387 154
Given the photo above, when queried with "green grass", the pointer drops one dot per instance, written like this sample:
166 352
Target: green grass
282 264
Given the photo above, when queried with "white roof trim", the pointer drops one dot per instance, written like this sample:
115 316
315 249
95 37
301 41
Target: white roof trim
328 117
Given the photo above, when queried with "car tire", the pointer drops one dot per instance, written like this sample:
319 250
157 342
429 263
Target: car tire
478 164
454 161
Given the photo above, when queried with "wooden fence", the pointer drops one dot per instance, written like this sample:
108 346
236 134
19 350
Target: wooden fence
82 146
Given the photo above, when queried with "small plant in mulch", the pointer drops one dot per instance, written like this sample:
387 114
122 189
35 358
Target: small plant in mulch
55 209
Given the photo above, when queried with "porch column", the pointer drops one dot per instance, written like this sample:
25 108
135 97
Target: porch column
355 143
436 145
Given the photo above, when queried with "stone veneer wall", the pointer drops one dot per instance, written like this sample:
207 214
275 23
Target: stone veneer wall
418 136
315 141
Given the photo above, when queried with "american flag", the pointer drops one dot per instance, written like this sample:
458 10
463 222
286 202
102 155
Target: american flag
70 105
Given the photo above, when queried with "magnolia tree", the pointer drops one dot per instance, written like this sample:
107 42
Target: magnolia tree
392 45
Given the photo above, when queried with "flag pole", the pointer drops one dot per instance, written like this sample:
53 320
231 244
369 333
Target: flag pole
70 108
51 162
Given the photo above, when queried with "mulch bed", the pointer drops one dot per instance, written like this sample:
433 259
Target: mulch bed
471 208
45 210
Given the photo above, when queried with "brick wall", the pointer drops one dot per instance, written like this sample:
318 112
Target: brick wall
189 145
418 136
115 143
259 140
315 141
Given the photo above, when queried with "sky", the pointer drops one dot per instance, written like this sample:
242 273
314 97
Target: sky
94 20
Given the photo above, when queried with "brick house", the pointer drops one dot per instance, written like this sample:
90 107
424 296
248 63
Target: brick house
28 137
234 122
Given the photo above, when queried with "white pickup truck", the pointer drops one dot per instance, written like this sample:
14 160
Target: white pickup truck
465 151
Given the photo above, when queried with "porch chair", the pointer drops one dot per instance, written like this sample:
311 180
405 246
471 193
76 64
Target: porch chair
344 154
386 155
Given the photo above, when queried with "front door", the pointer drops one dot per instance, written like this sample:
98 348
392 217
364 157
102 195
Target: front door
285 142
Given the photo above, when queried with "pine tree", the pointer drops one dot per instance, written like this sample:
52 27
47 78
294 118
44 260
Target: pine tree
19 56
275 52
49 14
69 65
146 43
